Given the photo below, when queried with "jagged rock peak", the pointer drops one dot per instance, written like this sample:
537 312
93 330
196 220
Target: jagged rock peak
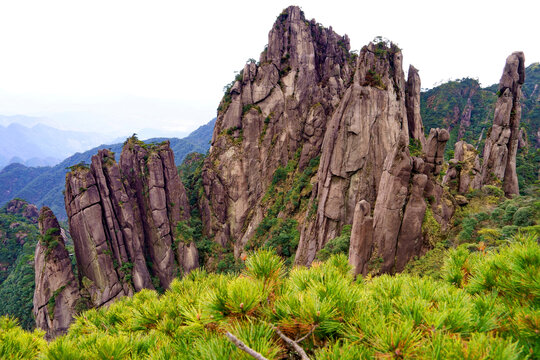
56 289
155 188
90 213
297 43
513 74
412 101
275 111
500 149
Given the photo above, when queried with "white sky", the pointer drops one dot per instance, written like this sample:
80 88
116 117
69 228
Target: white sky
125 65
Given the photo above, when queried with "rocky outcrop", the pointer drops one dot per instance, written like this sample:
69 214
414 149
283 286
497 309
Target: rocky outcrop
399 209
306 98
360 134
154 187
98 258
123 220
463 168
435 145
21 207
361 238
56 290
500 149
275 111
412 102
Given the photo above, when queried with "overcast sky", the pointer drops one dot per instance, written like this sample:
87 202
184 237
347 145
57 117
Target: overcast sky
125 65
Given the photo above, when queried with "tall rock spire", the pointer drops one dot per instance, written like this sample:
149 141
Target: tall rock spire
56 292
412 102
500 150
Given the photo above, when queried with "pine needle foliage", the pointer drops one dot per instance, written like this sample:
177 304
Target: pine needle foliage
486 306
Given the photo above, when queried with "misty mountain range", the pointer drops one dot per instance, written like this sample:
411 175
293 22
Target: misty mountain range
44 185
26 141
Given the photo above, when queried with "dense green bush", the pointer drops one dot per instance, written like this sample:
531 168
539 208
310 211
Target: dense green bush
485 308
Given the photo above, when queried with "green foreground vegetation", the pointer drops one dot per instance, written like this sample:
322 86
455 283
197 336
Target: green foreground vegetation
486 305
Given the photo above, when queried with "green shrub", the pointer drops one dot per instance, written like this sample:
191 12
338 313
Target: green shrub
493 191
486 307
509 212
524 216
338 245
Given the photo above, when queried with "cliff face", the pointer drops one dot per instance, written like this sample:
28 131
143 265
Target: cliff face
362 131
56 289
123 220
308 97
275 110
499 160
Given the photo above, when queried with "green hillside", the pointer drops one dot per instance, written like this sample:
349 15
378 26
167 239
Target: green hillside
18 238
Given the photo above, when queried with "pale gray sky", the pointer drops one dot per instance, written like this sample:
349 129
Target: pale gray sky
121 66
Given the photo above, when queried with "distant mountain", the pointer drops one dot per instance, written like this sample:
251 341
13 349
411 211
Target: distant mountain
44 185
148 133
33 144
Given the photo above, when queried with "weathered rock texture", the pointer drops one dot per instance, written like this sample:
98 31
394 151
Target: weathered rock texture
155 188
362 131
123 220
463 168
308 97
412 100
500 149
56 292
435 145
274 109
361 238
399 209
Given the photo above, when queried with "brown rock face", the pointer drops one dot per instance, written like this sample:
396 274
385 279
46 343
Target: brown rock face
305 99
499 160
391 200
275 109
361 238
412 101
435 144
360 134
56 291
123 220
463 168
96 254
410 239
155 188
